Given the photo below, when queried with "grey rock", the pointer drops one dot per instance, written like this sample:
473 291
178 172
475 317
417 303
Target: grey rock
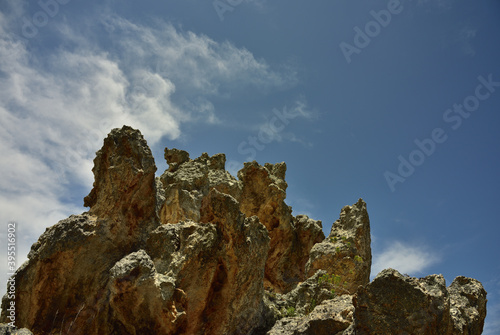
197 251
5 329
331 317
467 305
346 252
396 304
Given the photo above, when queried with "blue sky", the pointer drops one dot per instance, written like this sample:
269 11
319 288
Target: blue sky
394 102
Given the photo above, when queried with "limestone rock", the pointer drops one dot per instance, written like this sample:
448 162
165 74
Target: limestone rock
124 187
260 191
215 264
197 251
331 317
419 306
467 305
187 182
263 194
5 329
346 252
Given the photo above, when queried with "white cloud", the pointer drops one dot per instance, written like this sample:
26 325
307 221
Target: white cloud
286 116
56 110
195 63
405 258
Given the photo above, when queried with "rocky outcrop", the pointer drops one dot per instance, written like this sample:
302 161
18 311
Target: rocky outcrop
419 306
332 316
8 330
260 191
346 252
124 171
197 251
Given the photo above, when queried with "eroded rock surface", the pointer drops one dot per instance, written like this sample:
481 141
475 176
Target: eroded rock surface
419 306
330 317
347 250
260 191
197 251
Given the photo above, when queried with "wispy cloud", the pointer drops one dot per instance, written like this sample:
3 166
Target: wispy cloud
195 63
404 257
56 109
461 38
296 112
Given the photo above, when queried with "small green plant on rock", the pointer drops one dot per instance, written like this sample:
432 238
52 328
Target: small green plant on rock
358 259
333 283
312 306
290 311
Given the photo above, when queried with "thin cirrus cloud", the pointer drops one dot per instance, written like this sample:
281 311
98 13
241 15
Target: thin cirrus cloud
406 258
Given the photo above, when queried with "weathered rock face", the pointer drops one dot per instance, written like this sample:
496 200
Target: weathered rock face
187 182
124 171
197 251
7 330
260 191
330 317
467 305
263 194
346 252
419 306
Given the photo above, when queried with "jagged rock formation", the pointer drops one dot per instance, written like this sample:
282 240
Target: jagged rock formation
260 191
197 251
332 316
347 250
419 306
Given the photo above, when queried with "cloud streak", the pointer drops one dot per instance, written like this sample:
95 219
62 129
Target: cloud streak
56 108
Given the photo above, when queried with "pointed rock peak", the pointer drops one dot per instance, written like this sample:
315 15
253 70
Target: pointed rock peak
124 172
350 217
215 162
176 157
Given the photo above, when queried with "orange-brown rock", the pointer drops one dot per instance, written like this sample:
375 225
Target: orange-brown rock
124 185
260 191
197 251
263 194
158 255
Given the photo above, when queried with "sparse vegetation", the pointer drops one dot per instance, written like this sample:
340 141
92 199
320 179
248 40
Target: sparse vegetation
333 283
290 311
312 305
331 279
